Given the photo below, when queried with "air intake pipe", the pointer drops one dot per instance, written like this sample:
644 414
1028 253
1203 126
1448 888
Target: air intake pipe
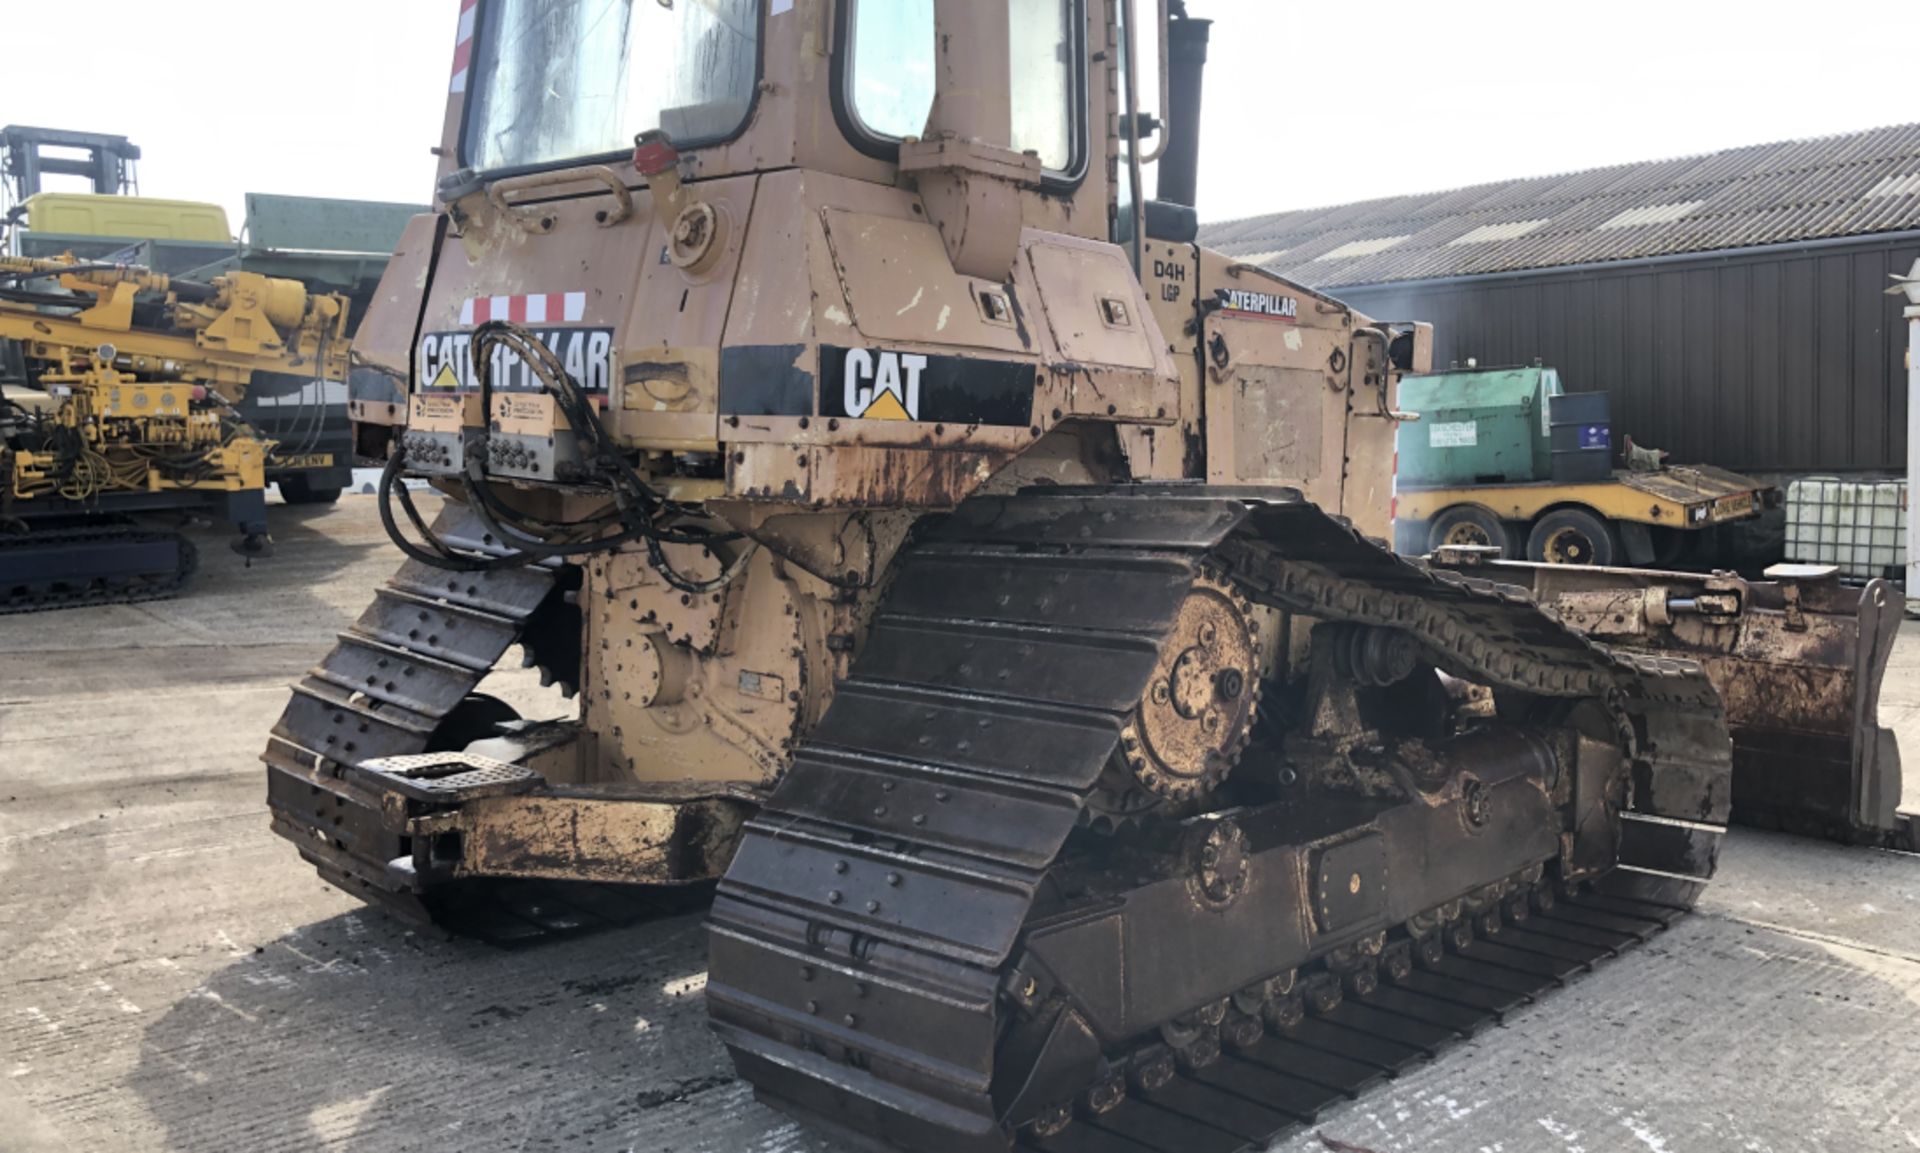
1186 70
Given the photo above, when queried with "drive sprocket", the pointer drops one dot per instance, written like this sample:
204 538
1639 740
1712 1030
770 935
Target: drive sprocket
1184 736
551 641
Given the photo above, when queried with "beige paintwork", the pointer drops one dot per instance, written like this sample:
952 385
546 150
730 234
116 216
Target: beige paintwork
384 342
1308 400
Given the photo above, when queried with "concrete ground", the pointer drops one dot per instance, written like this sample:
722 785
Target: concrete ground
172 977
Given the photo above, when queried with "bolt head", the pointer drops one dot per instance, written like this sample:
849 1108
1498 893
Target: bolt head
1230 684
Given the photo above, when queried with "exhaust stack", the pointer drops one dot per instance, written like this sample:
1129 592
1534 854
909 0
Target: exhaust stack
1186 69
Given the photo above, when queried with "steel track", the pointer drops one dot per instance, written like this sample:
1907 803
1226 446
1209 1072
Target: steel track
414 655
863 939
103 583
1248 1097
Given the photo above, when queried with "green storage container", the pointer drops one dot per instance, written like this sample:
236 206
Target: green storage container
1477 426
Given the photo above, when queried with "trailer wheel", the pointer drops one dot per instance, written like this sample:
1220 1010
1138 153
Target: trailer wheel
1573 536
1468 524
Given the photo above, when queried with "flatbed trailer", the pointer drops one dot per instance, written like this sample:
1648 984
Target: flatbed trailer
1632 517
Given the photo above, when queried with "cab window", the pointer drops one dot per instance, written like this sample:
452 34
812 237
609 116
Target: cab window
890 49
562 80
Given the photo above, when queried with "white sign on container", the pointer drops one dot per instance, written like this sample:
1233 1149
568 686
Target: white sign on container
1459 434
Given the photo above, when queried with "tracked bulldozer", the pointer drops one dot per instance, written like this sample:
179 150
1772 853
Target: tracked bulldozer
975 585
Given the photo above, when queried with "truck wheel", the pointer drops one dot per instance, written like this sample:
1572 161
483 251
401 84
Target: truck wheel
1468 524
300 490
1572 536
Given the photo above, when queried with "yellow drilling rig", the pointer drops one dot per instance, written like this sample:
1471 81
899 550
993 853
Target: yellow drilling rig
117 386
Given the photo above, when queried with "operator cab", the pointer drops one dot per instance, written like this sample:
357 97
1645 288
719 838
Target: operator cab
745 225
903 232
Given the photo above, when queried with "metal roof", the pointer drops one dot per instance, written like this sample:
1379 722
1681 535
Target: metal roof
1860 183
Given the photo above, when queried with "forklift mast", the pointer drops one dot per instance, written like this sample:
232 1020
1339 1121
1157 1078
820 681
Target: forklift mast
27 155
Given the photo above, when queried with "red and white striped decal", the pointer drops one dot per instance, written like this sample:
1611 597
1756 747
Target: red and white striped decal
532 308
1393 502
463 45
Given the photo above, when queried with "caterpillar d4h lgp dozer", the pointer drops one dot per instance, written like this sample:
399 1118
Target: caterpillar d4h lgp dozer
980 581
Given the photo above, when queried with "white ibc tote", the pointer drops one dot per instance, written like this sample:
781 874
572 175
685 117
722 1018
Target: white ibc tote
1859 525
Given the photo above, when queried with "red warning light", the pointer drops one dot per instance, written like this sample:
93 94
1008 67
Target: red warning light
653 153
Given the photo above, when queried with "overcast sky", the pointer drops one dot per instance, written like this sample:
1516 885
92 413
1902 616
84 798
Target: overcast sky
1308 103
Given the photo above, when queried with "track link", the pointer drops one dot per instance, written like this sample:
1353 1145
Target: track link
873 943
1239 1098
106 563
417 652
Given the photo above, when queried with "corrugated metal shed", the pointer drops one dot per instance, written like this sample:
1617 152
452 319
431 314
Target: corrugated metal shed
1800 190
1786 359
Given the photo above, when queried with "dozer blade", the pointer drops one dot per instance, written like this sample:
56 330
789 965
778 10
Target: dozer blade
1799 659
